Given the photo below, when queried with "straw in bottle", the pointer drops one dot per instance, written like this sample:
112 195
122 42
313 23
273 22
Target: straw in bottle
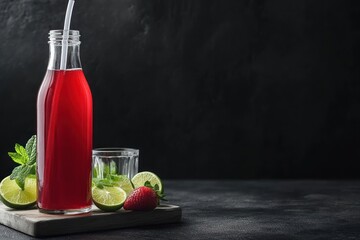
64 49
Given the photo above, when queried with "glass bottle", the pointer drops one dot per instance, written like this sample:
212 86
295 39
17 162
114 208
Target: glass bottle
64 130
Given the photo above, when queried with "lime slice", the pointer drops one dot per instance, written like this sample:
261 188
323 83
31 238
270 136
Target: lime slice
108 199
13 196
123 182
139 180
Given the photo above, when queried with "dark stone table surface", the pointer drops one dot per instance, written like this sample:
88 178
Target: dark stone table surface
263 209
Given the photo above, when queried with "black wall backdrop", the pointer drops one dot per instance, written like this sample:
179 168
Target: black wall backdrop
205 89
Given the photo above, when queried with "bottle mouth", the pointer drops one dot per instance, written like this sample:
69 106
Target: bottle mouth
57 36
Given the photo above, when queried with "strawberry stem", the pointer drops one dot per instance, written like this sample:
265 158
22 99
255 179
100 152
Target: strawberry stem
160 195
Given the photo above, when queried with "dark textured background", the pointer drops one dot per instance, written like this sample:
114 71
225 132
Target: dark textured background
205 89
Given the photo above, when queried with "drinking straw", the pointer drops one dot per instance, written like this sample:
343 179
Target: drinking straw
64 49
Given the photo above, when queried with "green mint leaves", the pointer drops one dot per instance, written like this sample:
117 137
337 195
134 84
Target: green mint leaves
26 157
111 180
101 183
20 173
31 149
20 156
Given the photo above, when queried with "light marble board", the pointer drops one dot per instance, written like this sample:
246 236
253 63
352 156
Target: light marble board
37 224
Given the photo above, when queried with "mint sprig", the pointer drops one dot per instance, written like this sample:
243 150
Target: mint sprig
26 157
101 183
30 148
20 156
110 180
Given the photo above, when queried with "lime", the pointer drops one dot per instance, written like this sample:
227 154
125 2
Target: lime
139 180
124 182
108 199
13 196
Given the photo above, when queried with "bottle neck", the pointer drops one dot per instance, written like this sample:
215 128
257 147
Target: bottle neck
56 44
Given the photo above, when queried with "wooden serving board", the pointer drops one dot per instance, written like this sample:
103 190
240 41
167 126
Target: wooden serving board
37 224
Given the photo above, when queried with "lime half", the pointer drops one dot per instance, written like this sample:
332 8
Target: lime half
108 199
139 180
13 196
123 182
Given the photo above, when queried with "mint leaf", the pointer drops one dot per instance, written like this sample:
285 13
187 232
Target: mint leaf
20 156
16 157
33 169
22 151
101 183
107 182
26 157
116 178
19 174
31 149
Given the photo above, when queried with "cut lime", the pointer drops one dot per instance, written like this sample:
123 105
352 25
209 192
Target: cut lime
139 180
123 182
13 196
108 199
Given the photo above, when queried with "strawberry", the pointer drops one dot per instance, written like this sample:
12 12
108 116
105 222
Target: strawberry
143 198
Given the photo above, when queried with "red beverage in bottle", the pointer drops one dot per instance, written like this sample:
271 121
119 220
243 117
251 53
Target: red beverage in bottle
64 113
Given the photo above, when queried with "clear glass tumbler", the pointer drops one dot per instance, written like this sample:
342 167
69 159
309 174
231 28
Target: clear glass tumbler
115 161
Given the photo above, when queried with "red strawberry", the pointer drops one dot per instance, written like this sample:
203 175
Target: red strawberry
143 198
